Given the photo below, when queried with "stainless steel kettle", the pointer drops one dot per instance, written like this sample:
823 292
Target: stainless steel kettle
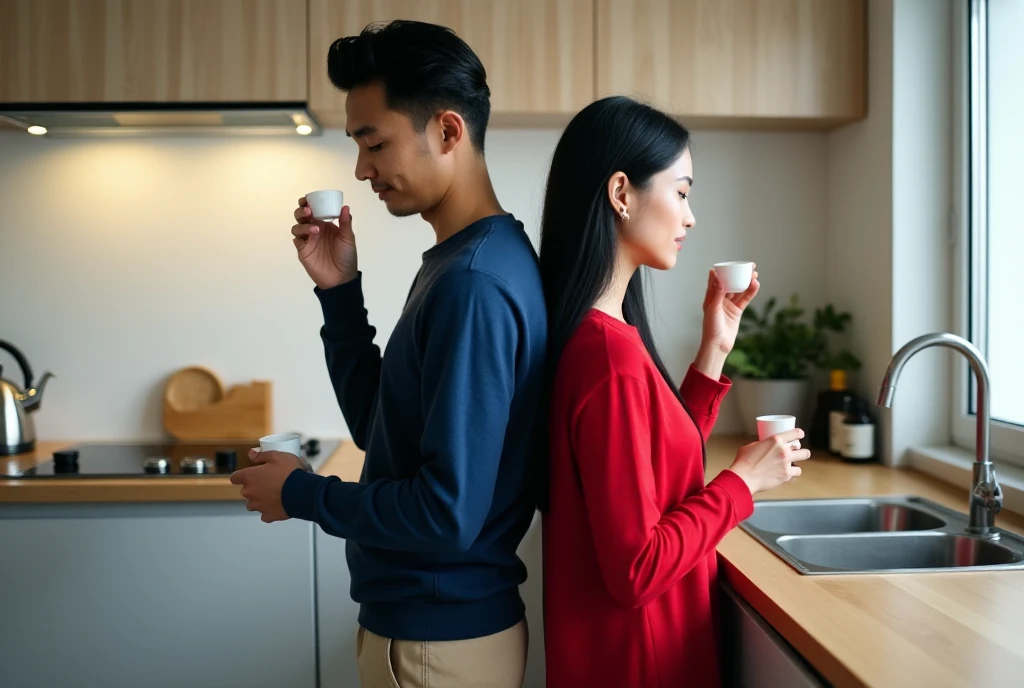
17 430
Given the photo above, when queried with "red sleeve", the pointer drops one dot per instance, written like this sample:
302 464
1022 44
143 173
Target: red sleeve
641 551
703 397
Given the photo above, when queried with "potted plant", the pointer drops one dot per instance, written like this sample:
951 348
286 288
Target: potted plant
774 353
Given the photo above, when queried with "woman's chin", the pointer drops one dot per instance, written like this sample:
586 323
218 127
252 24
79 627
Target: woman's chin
664 262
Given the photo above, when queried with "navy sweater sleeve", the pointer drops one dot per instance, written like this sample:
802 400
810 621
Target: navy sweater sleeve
353 360
470 336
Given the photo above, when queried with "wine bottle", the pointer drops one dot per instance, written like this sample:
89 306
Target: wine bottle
823 423
858 434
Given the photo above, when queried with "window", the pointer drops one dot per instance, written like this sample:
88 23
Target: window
992 246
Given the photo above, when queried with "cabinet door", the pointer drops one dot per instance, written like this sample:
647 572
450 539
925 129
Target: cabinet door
60 51
754 655
729 60
538 53
161 595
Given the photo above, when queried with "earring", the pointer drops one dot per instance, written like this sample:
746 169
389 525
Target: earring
623 214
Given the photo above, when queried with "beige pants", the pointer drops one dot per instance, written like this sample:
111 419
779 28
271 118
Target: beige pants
494 661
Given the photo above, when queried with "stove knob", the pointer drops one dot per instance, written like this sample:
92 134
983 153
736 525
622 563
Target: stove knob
227 458
158 464
66 458
313 447
195 465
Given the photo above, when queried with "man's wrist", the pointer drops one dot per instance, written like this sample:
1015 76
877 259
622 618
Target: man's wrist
324 285
298 494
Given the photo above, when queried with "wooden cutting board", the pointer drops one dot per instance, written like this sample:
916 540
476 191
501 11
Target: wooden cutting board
197 406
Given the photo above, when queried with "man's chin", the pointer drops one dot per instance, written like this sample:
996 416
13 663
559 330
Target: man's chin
399 210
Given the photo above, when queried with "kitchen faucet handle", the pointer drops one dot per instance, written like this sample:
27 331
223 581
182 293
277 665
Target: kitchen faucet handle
990 494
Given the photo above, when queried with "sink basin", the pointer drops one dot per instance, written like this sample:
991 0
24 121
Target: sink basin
841 516
902 534
905 552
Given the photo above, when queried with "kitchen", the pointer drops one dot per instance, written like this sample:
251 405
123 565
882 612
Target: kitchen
842 128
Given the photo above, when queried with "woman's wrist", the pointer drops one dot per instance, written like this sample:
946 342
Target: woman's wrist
710 360
747 480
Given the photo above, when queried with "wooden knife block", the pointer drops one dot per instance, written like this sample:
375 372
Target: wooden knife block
196 406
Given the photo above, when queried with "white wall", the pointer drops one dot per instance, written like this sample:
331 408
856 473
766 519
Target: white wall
922 162
889 196
123 260
859 211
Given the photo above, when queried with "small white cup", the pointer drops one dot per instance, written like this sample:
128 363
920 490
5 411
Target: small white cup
769 426
283 442
325 205
735 275
287 442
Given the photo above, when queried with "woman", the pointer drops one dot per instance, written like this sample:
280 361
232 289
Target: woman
630 529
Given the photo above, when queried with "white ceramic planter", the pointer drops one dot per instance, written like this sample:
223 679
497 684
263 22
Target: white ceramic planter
770 397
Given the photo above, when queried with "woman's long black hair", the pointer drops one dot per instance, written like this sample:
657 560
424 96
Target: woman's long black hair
578 243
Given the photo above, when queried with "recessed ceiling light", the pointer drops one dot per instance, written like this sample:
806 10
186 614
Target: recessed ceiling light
304 130
36 130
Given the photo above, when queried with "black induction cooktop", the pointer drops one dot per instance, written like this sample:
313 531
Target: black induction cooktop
161 459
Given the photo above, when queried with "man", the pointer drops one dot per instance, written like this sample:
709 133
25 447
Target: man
447 415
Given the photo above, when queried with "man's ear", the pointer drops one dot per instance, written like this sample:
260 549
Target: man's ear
453 130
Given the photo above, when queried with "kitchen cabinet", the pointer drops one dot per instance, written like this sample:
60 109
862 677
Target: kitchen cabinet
194 594
737 63
538 54
718 63
337 613
754 655
73 51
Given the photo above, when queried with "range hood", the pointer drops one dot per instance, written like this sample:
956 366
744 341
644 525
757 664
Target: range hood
161 119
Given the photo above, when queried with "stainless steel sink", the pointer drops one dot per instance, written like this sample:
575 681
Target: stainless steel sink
902 534
910 552
842 516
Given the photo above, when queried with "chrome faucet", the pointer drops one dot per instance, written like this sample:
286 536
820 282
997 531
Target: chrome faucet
986 495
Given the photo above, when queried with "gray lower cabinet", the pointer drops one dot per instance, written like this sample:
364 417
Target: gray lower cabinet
203 595
754 655
189 595
338 614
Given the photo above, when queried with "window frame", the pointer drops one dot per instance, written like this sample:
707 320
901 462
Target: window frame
970 252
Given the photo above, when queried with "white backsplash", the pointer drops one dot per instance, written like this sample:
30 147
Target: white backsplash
123 260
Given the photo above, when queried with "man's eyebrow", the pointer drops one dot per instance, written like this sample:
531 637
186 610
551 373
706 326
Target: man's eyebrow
361 132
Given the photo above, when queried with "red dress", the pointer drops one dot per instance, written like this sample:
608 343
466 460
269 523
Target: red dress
629 541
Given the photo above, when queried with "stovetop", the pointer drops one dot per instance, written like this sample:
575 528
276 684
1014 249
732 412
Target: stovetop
161 459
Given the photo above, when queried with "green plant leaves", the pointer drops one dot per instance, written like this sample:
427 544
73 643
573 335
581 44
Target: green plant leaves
840 360
778 344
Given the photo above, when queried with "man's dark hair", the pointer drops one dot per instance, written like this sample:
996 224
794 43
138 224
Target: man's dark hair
424 68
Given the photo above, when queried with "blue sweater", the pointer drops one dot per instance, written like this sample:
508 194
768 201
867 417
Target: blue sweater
445 418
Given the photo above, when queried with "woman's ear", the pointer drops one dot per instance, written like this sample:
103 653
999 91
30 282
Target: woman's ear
619 194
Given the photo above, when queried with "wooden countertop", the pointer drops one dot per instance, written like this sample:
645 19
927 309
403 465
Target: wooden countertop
930 629
346 462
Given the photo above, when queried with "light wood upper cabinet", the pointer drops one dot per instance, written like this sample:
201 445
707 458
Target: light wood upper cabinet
538 53
725 62
62 51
